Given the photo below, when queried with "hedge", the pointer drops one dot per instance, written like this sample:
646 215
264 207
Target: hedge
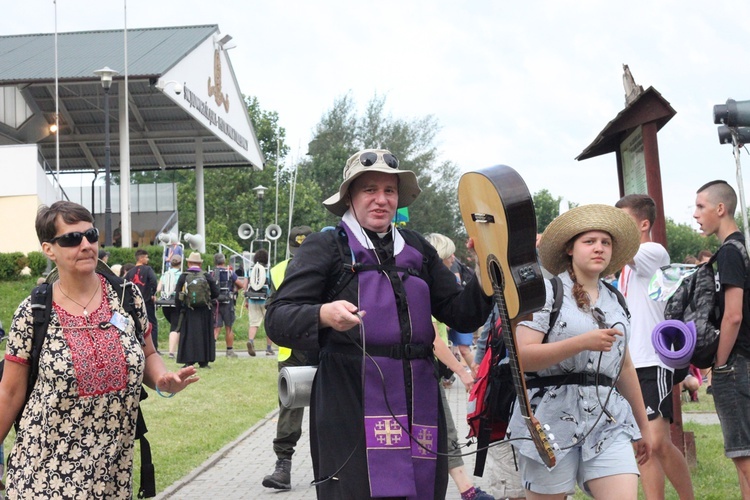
12 263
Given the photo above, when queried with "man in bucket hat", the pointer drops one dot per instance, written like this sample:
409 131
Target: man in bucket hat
365 291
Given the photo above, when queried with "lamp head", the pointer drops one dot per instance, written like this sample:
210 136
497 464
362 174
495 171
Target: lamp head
106 74
260 191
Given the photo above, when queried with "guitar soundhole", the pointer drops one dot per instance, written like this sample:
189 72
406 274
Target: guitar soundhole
495 271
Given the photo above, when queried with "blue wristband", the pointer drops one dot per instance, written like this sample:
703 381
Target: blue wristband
168 395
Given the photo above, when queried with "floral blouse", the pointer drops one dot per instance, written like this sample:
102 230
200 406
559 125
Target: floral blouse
572 411
77 430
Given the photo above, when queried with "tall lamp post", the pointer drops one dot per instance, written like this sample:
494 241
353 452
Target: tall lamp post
106 75
260 192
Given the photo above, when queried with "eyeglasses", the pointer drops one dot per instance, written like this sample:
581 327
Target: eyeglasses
369 159
76 237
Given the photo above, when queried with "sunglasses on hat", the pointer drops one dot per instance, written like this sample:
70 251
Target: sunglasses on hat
76 237
370 158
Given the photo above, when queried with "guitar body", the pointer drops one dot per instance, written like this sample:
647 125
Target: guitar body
500 197
499 216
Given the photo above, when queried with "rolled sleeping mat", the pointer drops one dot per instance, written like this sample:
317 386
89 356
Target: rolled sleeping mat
674 342
295 385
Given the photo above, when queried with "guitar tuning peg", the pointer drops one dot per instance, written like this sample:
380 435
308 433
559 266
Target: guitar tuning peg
551 437
556 447
546 427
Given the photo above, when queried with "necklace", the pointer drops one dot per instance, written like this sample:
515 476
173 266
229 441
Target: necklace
84 307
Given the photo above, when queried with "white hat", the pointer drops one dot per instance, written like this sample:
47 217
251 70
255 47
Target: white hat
374 160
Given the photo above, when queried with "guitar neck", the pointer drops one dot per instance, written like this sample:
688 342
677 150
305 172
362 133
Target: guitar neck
514 362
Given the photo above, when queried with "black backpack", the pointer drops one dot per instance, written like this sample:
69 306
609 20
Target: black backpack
223 277
696 300
41 305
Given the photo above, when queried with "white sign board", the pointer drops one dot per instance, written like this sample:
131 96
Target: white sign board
212 96
634 163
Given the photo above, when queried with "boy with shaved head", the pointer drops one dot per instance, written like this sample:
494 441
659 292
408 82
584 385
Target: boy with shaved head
715 205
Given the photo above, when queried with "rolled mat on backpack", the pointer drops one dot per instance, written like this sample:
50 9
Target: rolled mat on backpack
674 342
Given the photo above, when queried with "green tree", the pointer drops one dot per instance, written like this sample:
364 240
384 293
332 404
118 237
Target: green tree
683 240
547 207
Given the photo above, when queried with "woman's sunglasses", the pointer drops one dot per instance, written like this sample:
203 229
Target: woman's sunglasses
75 238
369 159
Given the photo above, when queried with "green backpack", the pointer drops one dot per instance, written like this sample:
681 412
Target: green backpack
196 291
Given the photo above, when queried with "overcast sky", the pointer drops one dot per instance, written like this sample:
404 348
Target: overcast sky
527 84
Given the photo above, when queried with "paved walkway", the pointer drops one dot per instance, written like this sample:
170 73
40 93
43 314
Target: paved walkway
237 470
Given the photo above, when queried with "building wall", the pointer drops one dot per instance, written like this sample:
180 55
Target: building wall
17 223
23 188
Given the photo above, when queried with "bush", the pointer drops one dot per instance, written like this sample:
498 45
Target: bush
37 263
11 265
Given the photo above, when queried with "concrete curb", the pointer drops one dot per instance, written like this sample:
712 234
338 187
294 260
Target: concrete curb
175 487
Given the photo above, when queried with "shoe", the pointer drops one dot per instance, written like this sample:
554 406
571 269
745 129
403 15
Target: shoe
231 353
270 352
171 355
482 495
250 348
709 390
281 479
201 365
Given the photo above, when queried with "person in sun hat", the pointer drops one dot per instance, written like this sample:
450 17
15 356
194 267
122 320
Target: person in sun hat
368 286
579 358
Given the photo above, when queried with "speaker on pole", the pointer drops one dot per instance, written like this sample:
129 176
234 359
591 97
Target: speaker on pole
194 240
273 232
245 231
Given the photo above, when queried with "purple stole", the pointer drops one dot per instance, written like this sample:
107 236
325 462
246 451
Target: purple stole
398 466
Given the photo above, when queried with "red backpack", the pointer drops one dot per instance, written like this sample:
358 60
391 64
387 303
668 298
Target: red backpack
490 403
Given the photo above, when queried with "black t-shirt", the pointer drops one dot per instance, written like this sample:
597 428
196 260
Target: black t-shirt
730 271
145 279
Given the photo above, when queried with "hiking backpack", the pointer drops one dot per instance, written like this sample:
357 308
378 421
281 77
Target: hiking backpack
169 288
696 300
490 403
257 283
224 277
196 292
41 305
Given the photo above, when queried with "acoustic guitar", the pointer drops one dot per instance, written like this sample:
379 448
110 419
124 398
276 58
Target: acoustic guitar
499 216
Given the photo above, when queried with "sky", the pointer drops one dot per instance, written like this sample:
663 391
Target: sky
525 84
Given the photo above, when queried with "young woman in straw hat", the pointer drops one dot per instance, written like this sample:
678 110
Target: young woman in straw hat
579 359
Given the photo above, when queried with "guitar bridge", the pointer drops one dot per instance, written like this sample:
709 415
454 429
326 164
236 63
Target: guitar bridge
483 218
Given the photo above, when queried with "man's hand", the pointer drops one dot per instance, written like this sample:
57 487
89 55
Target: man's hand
340 315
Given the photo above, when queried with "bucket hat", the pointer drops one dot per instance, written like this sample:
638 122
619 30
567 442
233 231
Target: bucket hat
619 225
195 257
374 160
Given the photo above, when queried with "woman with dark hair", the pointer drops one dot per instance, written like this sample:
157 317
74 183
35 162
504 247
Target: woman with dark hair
77 430
579 360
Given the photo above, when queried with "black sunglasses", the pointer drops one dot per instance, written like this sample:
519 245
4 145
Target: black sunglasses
76 237
369 159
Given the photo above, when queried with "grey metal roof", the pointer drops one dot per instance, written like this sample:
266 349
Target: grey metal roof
151 51
162 134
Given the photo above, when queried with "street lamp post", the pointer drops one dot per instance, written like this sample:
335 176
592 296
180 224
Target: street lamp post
106 75
260 192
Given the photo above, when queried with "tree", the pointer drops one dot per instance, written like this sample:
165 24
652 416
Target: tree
547 207
683 240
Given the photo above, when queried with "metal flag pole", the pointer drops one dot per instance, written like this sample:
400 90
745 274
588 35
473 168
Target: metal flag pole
57 114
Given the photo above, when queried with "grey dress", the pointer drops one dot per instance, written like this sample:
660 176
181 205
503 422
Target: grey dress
571 411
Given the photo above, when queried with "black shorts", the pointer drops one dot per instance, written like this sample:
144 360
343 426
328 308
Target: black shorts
656 386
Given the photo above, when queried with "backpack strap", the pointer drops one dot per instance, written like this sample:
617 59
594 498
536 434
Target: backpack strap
41 305
558 293
148 478
350 267
620 297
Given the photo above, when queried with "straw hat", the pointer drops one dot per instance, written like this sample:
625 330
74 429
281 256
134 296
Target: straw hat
625 236
195 257
358 164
